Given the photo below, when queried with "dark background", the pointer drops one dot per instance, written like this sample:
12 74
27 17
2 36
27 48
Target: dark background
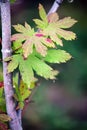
60 104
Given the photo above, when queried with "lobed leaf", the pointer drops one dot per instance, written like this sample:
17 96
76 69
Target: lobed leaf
19 37
17 46
42 69
26 71
24 91
40 48
42 13
57 56
13 64
56 39
67 35
66 22
40 24
19 28
27 26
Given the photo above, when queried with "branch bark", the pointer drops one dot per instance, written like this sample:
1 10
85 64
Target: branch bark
6 51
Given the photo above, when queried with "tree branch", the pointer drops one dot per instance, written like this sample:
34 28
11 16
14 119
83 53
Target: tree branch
55 6
6 51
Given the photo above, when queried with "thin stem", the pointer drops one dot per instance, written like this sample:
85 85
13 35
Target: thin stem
6 51
55 6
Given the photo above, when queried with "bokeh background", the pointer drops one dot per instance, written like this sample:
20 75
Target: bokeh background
60 104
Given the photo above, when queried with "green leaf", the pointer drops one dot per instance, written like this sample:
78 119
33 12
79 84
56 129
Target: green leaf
25 30
19 28
17 47
1 91
26 71
24 91
57 56
24 67
7 59
40 24
42 14
2 99
42 68
27 26
13 64
2 104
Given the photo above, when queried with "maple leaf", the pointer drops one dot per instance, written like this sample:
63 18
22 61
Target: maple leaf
21 93
14 62
28 66
57 56
26 71
43 14
55 27
50 32
44 21
24 32
37 43
29 39
24 91
66 22
17 46
47 72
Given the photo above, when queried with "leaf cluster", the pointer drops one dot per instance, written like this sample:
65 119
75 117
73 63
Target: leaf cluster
33 51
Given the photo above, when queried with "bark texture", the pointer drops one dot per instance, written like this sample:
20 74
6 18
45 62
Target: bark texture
6 51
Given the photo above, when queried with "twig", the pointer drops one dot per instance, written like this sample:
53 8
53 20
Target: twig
55 6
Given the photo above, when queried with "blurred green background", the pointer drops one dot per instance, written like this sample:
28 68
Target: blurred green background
60 104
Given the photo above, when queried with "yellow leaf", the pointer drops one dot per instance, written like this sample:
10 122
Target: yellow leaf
67 35
66 22
27 48
4 117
